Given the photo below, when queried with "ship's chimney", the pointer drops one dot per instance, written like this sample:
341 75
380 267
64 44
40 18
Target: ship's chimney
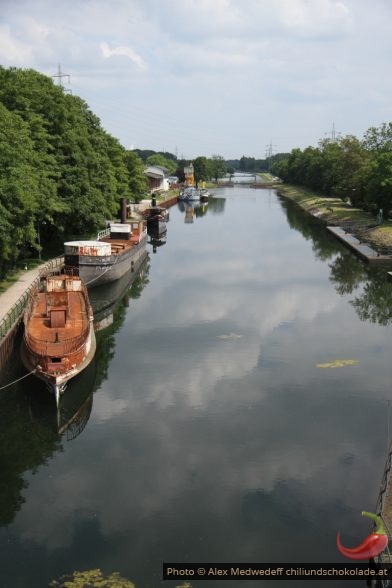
123 210
153 200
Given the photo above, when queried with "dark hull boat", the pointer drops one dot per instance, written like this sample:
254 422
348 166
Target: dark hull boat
117 250
156 218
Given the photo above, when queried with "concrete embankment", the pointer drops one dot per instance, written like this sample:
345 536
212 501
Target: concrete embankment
144 204
352 226
361 249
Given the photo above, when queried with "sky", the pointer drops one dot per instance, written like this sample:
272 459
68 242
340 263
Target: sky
213 77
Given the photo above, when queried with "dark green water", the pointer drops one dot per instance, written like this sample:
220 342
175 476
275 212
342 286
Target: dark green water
207 433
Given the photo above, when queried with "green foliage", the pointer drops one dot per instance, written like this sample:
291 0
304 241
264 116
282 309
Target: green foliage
161 161
145 153
250 164
218 167
92 579
378 139
95 579
25 444
374 303
379 181
60 172
137 180
202 169
353 170
20 180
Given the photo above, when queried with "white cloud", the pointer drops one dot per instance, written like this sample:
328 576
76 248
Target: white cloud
247 70
124 52
13 51
317 20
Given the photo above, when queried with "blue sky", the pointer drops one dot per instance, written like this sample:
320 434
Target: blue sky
204 77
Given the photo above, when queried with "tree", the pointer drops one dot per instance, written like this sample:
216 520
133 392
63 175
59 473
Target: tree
202 169
379 138
218 167
137 179
160 160
19 188
59 170
350 170
92 579
379 183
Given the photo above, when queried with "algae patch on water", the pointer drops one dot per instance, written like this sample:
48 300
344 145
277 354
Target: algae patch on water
337 363
229 337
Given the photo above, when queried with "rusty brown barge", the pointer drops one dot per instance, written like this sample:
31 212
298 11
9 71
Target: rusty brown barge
117 250
59 340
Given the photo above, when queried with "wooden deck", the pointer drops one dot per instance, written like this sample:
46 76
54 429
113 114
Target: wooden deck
46 321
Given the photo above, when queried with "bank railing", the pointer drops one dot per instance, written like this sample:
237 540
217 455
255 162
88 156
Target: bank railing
14 315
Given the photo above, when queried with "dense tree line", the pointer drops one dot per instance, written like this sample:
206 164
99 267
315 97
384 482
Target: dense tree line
206 168
359 171
60 172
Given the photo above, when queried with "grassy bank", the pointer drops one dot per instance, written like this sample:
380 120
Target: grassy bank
334 211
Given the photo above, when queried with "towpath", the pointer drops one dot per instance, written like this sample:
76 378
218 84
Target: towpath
10 296
17 289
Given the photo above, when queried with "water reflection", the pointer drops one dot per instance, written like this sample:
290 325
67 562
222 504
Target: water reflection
157 236
192 210
349 275
216 204
324 245
104 299
374 303
32 431
213 435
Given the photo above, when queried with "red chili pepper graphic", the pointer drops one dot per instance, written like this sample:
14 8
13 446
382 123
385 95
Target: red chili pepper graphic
372 546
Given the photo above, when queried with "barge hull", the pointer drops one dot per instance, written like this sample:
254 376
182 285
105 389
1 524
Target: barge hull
98 270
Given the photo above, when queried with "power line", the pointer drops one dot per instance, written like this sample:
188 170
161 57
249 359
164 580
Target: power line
269 153
333 133
60 75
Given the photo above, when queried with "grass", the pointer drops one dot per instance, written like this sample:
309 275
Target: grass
332 210
19 270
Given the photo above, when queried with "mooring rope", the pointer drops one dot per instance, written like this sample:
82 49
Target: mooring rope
18 380
103 273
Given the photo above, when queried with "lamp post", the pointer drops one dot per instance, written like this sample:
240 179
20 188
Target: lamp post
39 241
39 237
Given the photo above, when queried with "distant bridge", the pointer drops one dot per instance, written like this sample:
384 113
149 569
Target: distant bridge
250 184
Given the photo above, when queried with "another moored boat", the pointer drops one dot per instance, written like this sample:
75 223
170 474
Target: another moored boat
59 340
190 194
156 218
116 250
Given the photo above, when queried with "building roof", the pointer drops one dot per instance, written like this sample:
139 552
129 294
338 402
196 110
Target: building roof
153 171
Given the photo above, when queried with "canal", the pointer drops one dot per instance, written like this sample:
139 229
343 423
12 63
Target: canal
211 427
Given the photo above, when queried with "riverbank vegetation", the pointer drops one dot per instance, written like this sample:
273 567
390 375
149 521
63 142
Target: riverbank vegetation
355 171
345 180
61 173
96 579
333 210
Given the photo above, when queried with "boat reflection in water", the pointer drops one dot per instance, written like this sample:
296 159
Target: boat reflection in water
192 209
74 411
156 236
104 299
109 303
